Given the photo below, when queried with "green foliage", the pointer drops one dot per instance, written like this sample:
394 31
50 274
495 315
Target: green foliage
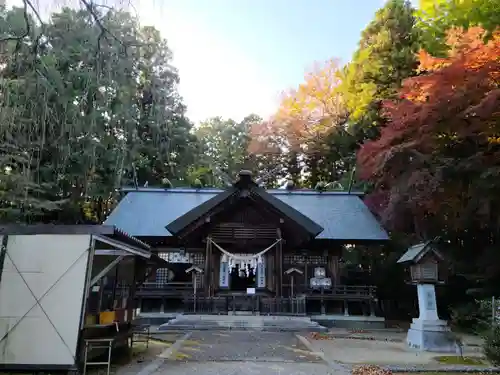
491 346
471 317
385 56
224 150
224 144
436 17
82 101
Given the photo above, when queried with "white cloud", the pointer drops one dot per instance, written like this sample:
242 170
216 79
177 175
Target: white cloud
217 78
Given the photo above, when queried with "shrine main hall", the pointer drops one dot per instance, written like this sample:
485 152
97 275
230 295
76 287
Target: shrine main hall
246 249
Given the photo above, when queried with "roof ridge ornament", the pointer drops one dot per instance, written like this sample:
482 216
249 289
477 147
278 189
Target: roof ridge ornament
245 179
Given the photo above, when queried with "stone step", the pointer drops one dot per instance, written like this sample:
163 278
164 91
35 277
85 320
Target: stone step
189 327
228 322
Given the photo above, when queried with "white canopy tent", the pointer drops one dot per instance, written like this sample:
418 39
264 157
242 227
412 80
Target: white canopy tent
46 273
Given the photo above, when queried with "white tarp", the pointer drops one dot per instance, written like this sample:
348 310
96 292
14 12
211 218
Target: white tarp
41 294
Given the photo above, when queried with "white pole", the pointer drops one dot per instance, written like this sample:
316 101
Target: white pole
194 291
493 311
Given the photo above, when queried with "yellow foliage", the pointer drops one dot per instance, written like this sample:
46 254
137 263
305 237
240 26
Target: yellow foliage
315 105
494 140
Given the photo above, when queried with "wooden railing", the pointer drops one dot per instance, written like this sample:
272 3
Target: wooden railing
341 292
251 304
337 292
169 289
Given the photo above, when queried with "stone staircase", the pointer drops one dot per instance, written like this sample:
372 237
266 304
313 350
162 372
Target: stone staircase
242 323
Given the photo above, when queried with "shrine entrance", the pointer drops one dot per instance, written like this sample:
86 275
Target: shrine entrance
242 273
242 281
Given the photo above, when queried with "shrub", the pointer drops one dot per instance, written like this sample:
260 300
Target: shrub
465 317
473 317
491 345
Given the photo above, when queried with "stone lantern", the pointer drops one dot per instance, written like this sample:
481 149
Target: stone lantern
427 332
321 282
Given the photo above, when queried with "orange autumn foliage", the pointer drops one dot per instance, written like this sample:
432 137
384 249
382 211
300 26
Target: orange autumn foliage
310 109
265 138
446 118
304 113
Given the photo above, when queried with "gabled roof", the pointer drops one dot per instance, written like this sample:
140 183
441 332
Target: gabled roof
418 251
195 213
144 212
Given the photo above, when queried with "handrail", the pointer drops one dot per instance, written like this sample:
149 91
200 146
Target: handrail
169 285
337 289
364 290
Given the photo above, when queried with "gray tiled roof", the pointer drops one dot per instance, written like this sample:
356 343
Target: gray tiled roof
418 251
413 252
146 211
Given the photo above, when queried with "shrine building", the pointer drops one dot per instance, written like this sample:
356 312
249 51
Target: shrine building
246 249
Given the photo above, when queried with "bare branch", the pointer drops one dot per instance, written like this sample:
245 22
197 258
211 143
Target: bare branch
27 26
104 31
34 10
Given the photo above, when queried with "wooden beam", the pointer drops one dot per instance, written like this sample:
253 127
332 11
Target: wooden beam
3 253
279 248
20 229
207 266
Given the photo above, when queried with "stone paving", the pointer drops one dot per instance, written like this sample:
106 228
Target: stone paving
245 368
228 352
205 346
382 350
244 353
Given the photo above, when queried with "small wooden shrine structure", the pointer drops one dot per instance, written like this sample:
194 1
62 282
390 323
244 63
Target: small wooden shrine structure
427 332
246 240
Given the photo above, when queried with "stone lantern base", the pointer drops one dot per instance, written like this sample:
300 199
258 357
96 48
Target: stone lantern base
428 332
432 336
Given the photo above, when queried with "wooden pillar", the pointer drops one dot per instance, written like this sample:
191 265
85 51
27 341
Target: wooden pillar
3 253
207 270
333 268
131 301
270 270
279 268
216 259
306 276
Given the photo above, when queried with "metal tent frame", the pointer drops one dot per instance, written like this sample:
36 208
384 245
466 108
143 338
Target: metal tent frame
103 241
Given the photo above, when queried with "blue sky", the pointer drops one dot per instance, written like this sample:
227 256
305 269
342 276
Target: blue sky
236 57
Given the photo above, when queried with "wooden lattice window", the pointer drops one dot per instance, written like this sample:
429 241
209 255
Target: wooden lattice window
297 259
163 276
198 258
316 259
427 271
294 259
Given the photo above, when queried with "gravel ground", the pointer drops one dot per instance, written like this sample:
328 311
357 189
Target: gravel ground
245 353
377 352
246 368
141 355
205 346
